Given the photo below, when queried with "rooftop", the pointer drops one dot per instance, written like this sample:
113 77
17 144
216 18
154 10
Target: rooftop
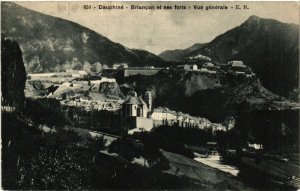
132 100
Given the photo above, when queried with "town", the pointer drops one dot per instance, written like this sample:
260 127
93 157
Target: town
180 105
82 90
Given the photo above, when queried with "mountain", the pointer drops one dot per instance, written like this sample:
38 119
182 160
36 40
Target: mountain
49 43
269 47
178 54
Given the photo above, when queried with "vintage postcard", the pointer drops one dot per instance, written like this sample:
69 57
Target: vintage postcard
150 95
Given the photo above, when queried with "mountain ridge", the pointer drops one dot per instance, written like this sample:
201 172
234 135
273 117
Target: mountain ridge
178 54
49 42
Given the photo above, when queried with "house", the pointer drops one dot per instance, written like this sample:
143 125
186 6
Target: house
161 116
194 67
162 113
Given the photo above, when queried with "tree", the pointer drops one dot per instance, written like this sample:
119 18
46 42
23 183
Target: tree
105 66
66 66
57 68
76 65
294 95
13 74
97 67
34 65
86 67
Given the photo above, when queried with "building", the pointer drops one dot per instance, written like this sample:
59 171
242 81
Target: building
41 75
217 127
103 79
209 64
237 64
135 113
205 70
194 67
240 73
161 116
115 66
96 83
120 66
254 146
187 67
135 106
165 116
77 73
144 71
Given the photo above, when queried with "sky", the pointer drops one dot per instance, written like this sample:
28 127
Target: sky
160 30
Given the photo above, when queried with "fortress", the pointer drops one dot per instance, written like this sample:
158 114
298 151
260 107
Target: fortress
146 71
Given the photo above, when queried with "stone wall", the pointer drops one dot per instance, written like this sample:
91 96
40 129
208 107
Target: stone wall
145 72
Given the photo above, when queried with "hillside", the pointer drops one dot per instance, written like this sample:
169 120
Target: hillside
178 54
269 47
209 96
50 44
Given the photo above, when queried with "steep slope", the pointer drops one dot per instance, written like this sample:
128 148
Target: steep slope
211 96
269 47
48 42
178 54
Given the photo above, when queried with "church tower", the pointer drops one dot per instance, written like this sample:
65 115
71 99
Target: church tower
148 100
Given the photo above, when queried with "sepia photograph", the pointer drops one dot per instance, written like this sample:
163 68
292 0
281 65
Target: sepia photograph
150 95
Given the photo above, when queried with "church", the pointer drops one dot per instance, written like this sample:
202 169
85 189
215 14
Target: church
135 112
135 107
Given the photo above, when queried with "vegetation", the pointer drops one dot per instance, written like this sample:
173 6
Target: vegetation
130 149
174 139
275 130
102 120
13 75
64 161
45 112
